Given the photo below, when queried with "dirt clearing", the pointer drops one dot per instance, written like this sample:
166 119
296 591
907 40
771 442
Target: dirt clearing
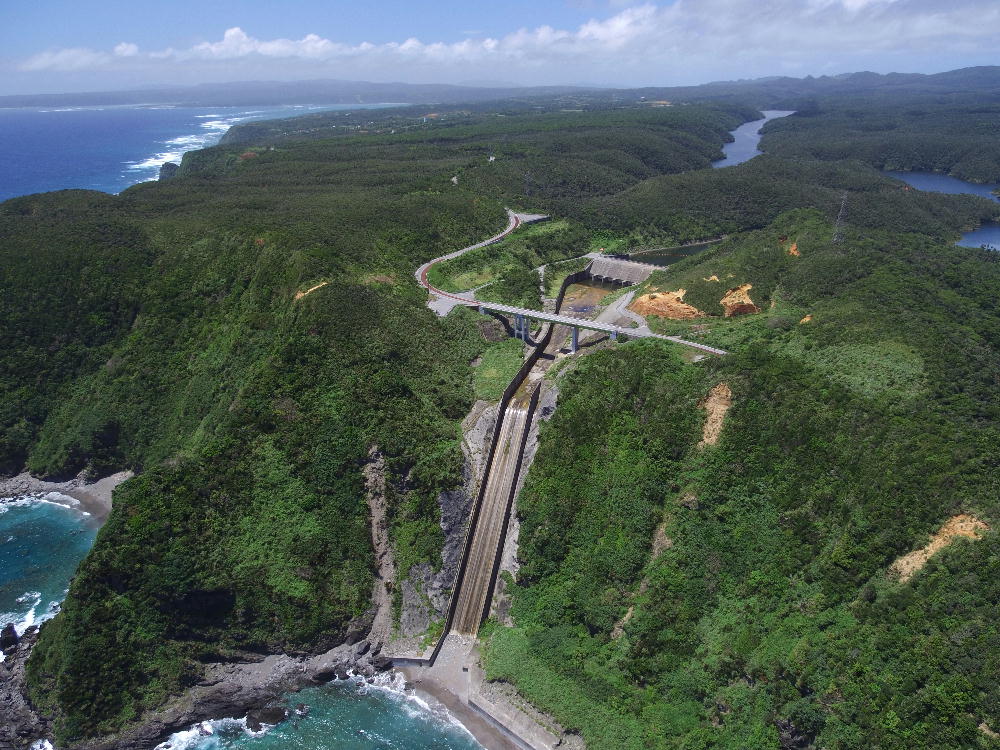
962 525
717 403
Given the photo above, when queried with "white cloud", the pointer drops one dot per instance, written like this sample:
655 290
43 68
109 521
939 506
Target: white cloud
681 42
73 58
126 49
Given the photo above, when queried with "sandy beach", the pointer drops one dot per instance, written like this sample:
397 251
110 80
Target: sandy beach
91 497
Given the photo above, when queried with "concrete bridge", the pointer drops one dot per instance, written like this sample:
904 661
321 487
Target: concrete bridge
608 269
521 316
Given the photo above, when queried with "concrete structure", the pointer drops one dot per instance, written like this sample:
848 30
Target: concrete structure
475 585
452 674
620 271
613 331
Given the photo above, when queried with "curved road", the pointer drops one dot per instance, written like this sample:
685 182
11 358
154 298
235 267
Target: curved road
442 302
448 300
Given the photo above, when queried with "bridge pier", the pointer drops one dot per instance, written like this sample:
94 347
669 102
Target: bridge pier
614 335
520 327
574 341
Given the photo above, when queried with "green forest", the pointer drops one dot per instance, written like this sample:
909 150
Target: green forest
245 334
771 612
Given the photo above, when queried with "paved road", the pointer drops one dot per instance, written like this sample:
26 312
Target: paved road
489 526
642 332
442 302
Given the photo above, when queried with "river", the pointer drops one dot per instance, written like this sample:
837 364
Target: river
934 182
746 139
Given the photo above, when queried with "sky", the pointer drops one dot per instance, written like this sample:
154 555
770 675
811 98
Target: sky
52 46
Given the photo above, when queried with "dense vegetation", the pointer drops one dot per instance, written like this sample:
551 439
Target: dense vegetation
768 619
250 412
244 335
169 330
955 137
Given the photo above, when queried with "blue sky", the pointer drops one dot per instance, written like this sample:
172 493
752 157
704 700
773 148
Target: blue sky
77 45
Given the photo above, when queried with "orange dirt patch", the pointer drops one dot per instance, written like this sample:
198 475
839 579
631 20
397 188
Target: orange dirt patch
310 290
806 319
737 301
248 155
962 525
717 403
794 249
713 277
667 305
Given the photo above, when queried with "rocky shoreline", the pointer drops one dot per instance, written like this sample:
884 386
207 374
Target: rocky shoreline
255 689
91 497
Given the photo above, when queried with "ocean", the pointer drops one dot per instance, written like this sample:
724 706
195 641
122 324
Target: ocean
42 542
111 148
344 715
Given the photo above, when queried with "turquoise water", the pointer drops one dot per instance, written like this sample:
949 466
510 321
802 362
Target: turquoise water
344 715
41 545
988 234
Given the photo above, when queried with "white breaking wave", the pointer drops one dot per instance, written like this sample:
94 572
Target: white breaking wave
207 734
393 684
48 498
212 129
41 745
25 618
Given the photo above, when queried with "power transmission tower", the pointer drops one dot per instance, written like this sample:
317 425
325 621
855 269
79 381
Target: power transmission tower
838 233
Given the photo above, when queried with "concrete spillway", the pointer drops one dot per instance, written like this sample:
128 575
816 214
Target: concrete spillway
475 587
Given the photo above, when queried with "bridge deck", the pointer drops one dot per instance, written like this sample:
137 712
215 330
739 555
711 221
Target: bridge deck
592 325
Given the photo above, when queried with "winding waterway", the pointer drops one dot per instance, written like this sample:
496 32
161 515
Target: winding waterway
933 182
746 139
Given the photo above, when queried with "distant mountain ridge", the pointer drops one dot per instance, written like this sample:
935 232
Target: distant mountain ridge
256 93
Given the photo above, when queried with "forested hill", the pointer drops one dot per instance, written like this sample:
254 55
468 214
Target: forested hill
247 333
197 355
968 86
956 136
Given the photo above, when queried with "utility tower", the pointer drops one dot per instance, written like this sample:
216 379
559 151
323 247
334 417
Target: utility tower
838 233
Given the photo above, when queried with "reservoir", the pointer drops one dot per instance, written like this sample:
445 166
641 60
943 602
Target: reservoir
934 182
669 255
747 138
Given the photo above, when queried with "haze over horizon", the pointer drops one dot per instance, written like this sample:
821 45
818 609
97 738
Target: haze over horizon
115 45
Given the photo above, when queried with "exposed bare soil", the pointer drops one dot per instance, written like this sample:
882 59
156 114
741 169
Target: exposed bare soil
310 290
737 301
962 525
669 305
717 403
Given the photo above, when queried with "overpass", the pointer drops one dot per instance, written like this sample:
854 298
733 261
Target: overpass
521 316
610 269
